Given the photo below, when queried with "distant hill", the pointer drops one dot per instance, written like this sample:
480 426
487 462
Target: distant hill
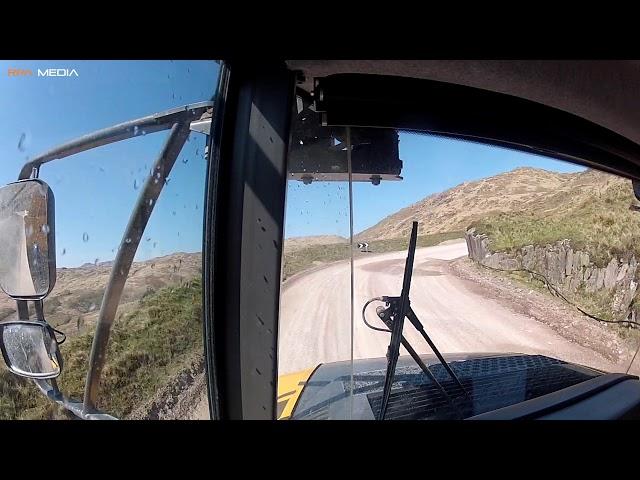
520 191
297 243
77 295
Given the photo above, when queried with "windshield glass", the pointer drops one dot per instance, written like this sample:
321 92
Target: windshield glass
154 366
525 269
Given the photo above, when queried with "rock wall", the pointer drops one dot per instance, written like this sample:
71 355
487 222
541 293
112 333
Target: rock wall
568 270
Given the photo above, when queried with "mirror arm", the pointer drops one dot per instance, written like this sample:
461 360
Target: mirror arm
50 389
124 258
133 128
39 310
23 309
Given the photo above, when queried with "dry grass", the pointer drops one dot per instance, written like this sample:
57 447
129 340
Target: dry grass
147 348
602 226
520 192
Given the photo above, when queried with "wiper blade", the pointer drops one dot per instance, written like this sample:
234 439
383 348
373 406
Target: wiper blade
398 315
393 317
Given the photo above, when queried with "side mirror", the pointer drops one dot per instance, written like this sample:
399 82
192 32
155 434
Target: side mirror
27 240
30 349
636 188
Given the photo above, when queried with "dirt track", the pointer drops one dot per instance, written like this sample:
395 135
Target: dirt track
315 322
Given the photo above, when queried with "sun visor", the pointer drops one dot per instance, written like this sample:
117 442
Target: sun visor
456 111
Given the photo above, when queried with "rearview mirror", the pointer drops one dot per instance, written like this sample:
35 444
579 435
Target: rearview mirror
27 240
30 349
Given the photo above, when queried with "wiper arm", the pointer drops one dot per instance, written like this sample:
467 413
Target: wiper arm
398 314
393 317
384 314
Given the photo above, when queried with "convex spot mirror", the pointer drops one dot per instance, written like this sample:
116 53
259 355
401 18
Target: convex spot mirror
30 349
27 240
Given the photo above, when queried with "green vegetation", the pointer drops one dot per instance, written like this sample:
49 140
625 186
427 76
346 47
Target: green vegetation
595 220
600 225
147 348
313 255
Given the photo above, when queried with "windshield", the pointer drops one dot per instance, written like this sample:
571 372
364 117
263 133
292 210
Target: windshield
520 258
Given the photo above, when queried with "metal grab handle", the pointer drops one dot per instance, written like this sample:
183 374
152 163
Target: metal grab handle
124 258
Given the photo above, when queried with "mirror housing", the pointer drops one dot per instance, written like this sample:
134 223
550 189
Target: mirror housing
30 349
636 188
27 240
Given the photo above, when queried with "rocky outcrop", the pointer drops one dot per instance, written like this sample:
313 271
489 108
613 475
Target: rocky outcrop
568 270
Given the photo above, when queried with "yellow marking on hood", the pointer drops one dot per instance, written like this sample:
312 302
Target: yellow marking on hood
290 387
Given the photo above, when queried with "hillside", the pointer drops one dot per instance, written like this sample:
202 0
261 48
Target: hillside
158 335
523 190
77 295
294 244
596 219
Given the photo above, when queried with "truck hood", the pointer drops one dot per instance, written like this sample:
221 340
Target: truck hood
492 380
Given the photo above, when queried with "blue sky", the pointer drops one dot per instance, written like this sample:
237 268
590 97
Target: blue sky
96 190
430 164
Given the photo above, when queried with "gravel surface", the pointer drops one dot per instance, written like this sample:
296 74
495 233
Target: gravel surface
552 311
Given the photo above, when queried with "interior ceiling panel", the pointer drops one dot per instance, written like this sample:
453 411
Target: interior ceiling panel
605 92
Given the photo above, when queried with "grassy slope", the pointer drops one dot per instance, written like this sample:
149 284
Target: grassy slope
601 225
146 349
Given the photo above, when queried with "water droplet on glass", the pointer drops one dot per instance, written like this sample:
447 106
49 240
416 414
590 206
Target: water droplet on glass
95 262
158 175
155 180
45 229
127 240
143 132
85 237
92 307
197 152
301 142
64 250
136 130
150 201
185 160
148 238
174 213
135 184
22 142
154 244
29 230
